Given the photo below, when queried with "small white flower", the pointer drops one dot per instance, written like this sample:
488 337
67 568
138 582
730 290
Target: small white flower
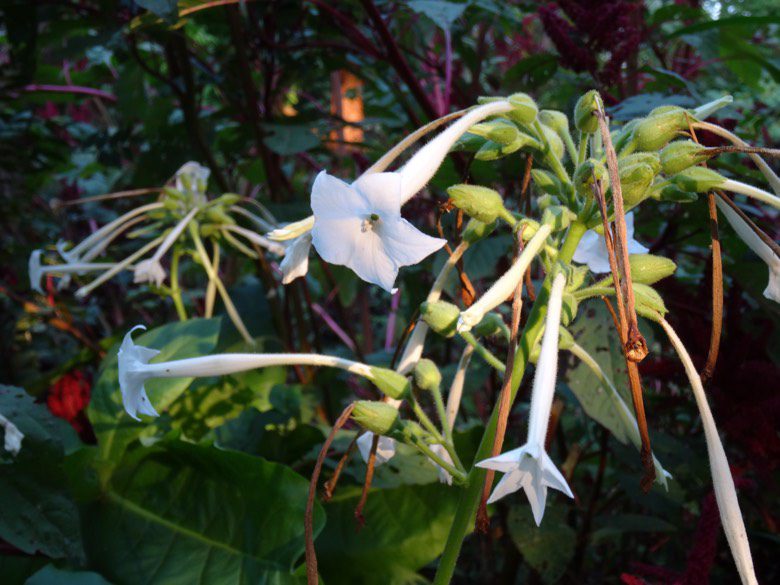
132 377
192 176
296 258
149 271
385 448
529 467
444 475
592 249
360 226
13 436
755 243
35 270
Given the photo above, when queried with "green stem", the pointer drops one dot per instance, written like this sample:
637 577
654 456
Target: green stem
426 421
470 497
456 473
583 150
482 351
175 288
550 157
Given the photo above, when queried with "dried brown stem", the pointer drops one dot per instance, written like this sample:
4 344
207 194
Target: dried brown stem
308 522
715 150
330 486
370 464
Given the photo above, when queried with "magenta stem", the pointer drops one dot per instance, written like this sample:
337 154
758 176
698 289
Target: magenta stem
77 89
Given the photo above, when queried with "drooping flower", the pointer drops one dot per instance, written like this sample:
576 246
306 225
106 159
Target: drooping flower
192 177
592 249
530 467
755 243
360 226
385 448
296 259
150 270
131 359
37 270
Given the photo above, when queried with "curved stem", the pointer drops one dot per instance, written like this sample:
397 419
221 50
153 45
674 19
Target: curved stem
175 288
117 268
482 351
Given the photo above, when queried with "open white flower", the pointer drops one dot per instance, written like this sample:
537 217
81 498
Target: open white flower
296 258
385 448
13 436
37 270
151 270
131 359
592 249
529 467
755 243
360 226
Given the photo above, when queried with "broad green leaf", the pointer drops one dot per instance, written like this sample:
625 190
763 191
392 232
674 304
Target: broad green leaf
442 13
51 575
405 529
548 548
114 428
37 514
184 513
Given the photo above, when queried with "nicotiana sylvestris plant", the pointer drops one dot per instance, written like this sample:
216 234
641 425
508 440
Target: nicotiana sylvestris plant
587 179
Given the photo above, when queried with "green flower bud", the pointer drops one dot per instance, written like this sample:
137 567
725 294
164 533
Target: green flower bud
584 112
555 120
625 134
648 302
491 324
654 132
390 383
468 143
501 131
648 158
698 180
476 230
525 108
575 277
665 110
649 269
680 155
481 203
547 182
378 417
558 217
440 316
494 151
426 375
218 215
587 174
635 181
553 141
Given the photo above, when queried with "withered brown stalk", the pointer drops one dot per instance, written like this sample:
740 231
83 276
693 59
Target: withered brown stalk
370 464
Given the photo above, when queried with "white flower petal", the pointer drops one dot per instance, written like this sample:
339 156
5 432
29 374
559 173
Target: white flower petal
296 259
332 198
444 475
35 270
149 270
131 379
592 249
772 291
336 240
510 483
405 244
503 462
13 436
382 192
372 263
385 448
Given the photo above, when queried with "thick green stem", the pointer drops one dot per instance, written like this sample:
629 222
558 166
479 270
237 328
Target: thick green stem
482 351
469 500
175 288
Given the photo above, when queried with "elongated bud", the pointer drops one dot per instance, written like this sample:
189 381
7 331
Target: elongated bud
659 110
440 316
524 108
427 376
378 417
481 203
698 180
648 158
649 269
555 120
501 131
648 302
680 155
587 174
635 182
476 230
492 150
706 110
585 112
390 383
655 131
547 182
556 147
491 324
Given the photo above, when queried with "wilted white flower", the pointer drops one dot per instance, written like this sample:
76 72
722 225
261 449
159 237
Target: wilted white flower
385 448
296 258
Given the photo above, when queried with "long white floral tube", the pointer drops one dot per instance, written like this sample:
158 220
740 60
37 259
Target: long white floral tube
505 285
723 482
36 270
458 382
751 191
416 173
759 247
263 242
98 235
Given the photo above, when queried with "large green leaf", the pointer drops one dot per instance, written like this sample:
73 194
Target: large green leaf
37 514
548 548
405 530
51 575
114 428
184 513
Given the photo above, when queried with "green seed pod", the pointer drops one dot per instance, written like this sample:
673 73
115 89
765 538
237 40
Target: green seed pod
481 203
427 376
584 112
491 324
649 303
476 230
648 158
587 174
390 383
440 316
665 110
525 108
635 181
698 180
654 132
649 269
378 417
680 155
501 131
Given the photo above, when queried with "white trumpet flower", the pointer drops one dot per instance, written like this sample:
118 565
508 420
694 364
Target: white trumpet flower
385 448
37 270
592 249
150 270
530 467
755 243
505 285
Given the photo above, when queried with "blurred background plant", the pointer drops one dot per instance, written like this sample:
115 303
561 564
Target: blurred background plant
105 96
